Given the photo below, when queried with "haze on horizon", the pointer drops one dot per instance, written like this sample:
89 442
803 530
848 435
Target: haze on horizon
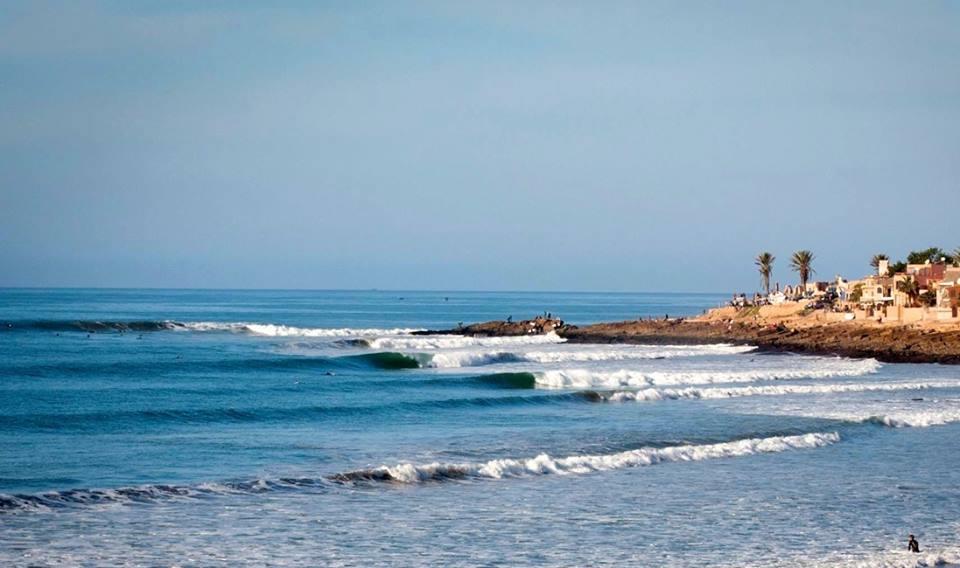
496 145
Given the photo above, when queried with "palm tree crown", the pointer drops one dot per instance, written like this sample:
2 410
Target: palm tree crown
764 262
875 261
910 288
801 262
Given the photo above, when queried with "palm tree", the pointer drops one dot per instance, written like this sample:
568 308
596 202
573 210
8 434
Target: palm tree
956 256
910 288
875 261
800 262
764 264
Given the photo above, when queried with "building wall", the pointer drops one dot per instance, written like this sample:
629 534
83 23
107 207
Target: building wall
912 315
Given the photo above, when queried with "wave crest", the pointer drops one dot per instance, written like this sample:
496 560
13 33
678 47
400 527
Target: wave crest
277 330
583 378
773 390
429 342
544 464
458 359
908 419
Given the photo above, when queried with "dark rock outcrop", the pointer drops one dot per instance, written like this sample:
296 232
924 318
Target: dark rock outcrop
536 326
899 344
894 344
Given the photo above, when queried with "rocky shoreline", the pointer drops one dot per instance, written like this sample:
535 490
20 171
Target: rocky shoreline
497 328
893 344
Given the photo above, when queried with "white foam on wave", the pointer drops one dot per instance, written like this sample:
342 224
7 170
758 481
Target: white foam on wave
891 559
580 464
902 411
635 352
900 418
585 378
275 330
652 394
429 342
411 473
567 354
458 359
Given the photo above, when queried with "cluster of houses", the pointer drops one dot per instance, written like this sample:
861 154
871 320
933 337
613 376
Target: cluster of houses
919 292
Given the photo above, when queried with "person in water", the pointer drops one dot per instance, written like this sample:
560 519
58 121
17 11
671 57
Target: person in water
913 545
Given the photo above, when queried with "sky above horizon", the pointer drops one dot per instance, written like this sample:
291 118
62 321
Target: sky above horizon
623 146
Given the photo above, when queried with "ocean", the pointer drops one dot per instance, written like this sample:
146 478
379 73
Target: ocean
300 428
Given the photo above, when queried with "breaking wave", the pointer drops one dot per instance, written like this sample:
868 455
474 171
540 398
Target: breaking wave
274 330
386 361
582 378
458 359
456 341
720 393
580 464
542 464
509 380
903 419
271 330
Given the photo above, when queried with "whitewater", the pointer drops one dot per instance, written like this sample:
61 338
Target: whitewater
151 427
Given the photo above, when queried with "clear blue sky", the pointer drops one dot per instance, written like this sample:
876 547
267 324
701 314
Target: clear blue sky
480 145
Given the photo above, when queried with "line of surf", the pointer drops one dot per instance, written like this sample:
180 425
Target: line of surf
654 394
900 418
432 342
278 330
409 473
585 378
544 464
262 329
460 359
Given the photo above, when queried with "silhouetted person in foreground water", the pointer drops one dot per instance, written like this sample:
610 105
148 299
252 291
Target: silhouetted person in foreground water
913 545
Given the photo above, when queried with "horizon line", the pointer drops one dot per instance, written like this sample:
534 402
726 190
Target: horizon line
437 290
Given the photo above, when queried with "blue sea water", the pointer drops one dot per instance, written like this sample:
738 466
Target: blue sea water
181 427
